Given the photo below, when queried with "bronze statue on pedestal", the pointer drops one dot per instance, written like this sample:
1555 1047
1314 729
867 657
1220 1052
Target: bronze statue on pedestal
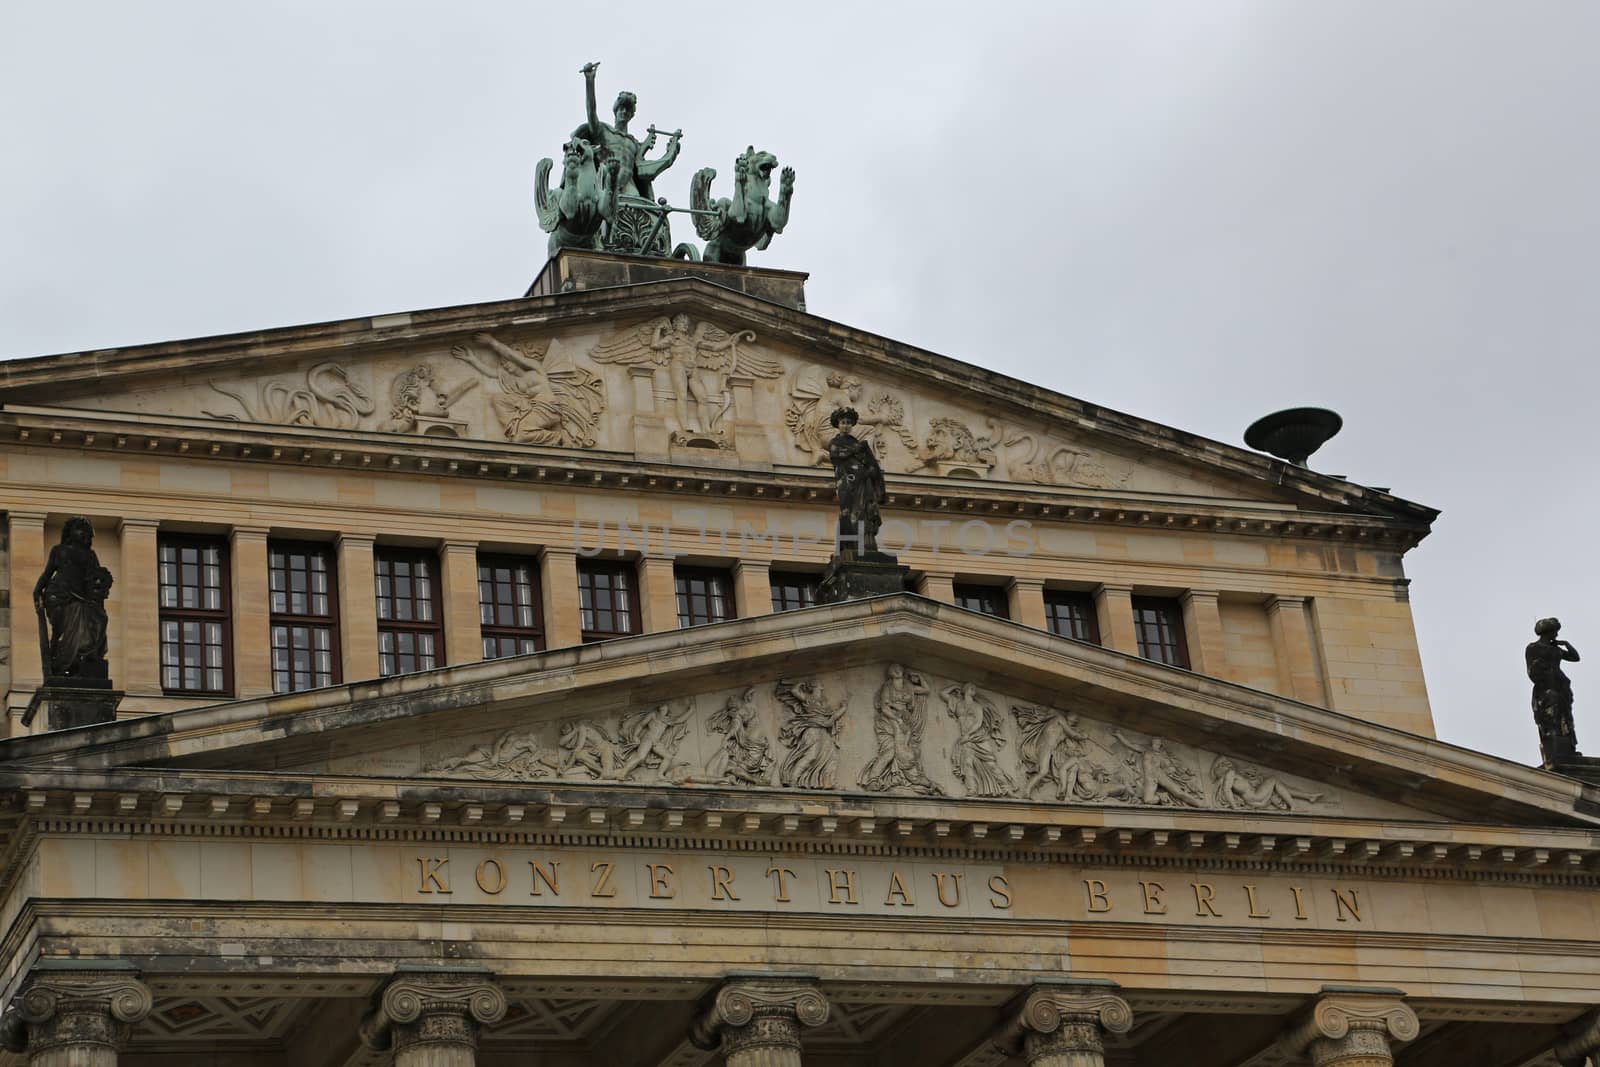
1552 692
70 599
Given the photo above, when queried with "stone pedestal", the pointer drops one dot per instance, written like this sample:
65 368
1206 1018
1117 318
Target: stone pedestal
78 1016
431 1018
62 703
756 1022
1352 1027
857 577
1065 1025
1583 768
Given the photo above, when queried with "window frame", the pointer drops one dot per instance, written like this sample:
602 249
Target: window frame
1171 611
493 630
1058 598
329 622
180 615
721 577
399 553
613 567
977 590
805 581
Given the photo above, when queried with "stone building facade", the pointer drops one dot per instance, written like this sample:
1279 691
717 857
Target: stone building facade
477 710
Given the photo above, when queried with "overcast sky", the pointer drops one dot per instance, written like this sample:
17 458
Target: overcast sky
1194 212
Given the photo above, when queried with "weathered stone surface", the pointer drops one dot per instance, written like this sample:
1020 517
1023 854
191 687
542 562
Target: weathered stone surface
855 579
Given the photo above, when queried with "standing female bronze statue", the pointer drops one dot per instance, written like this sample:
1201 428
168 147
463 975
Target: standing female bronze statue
71 595
859 481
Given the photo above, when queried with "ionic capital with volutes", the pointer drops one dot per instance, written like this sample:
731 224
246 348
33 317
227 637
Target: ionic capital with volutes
431 1018
1065 1025
76 1016
1353 1028
757 1021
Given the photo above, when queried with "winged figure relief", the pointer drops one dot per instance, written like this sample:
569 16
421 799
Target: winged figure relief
699 360
541 402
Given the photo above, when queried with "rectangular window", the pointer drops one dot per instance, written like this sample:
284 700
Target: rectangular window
985 599
704 595
196 638
509 612
608 600
304 616
1070 614
410 630
791 590
1158 621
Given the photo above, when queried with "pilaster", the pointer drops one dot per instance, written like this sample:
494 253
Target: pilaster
1202 625
1025 602
1352 1027
752 592
252 607
463 629
28 552
431 1018
757 1021
1113 609
558 592
1065 1025
138 602
937 585
358 608
658 594
78 1016
1299 675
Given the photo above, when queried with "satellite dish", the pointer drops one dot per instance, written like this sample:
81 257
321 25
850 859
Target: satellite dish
1293 434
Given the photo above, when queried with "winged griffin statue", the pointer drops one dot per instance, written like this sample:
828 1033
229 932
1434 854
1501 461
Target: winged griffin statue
573 213
733 227
699 360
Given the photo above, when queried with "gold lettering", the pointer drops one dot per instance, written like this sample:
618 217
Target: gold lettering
897 888
1002 889
1153 904
549 877
1255 909
602 885
842 880
498 881
782 886
1341 905
434 878
661 887
721 883
1299 903
1205 897
1097 893
938 881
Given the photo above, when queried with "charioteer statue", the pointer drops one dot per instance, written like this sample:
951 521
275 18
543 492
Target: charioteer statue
1552 693
633 228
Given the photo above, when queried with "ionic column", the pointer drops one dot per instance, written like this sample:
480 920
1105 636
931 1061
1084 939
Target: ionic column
358 608
431 1018
1025 602
756 1022
1113 609
752 581
1353 1028
463 623
77 1017
1065 1026
658 594
1202 622
138 669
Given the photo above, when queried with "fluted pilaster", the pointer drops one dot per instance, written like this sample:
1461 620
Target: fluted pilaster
431 1019
77 1017
756 1022
1354 1029
1065 1026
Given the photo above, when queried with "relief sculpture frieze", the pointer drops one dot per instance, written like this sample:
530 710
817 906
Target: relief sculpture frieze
326 396
885 729
537 401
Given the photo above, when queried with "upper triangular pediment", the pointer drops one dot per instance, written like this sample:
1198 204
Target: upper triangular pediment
682 372
893 698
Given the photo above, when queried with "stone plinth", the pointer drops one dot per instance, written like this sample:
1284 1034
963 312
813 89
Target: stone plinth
68 702
1583 768
574 270
858 577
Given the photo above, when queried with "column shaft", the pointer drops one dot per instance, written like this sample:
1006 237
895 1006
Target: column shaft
1202 624
136 597
1113 609
658 595
358 609
27 556
558 593
1025 602
1076 1043
1298 674
463 630
252 610
937 586
752 582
